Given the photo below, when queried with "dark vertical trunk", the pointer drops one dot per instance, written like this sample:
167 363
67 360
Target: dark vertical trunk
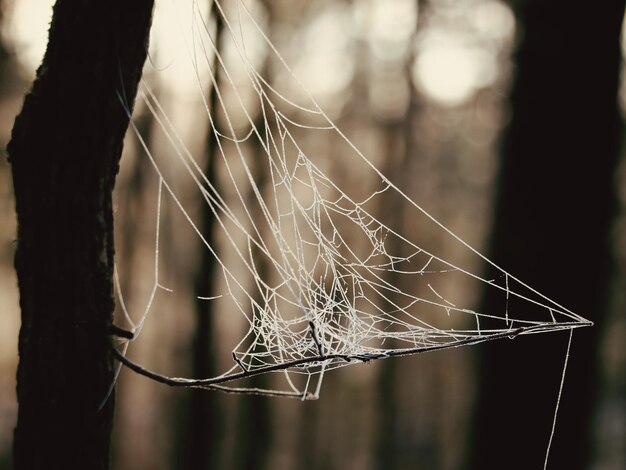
7 69
255 414
552 224
255 431
392 438
64 152
10 83
204 415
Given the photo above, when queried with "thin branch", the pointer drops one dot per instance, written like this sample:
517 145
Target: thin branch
216 382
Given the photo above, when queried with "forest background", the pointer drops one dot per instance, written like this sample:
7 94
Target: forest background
445 97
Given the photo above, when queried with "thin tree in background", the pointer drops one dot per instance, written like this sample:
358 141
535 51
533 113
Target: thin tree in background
65 150
9 75
11 87
206 419
254 430
400 148
204 415
552 223
393 441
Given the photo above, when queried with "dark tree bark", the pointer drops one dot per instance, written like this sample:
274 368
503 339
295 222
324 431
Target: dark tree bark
552 222
64 151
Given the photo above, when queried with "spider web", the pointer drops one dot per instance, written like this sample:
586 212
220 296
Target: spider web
306 259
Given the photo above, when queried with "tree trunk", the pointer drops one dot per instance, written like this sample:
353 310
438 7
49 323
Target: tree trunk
204 431
65 151
555 207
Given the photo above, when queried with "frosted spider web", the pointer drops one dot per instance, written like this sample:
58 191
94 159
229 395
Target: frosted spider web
320 280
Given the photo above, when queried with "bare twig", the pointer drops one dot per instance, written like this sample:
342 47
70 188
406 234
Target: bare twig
216 383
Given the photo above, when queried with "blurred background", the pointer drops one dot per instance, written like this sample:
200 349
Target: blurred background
503 120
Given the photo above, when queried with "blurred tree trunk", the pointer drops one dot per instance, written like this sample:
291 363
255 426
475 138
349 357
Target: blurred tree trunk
394 442
8 74
64 152
11 90
254 430
552 227
204 428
